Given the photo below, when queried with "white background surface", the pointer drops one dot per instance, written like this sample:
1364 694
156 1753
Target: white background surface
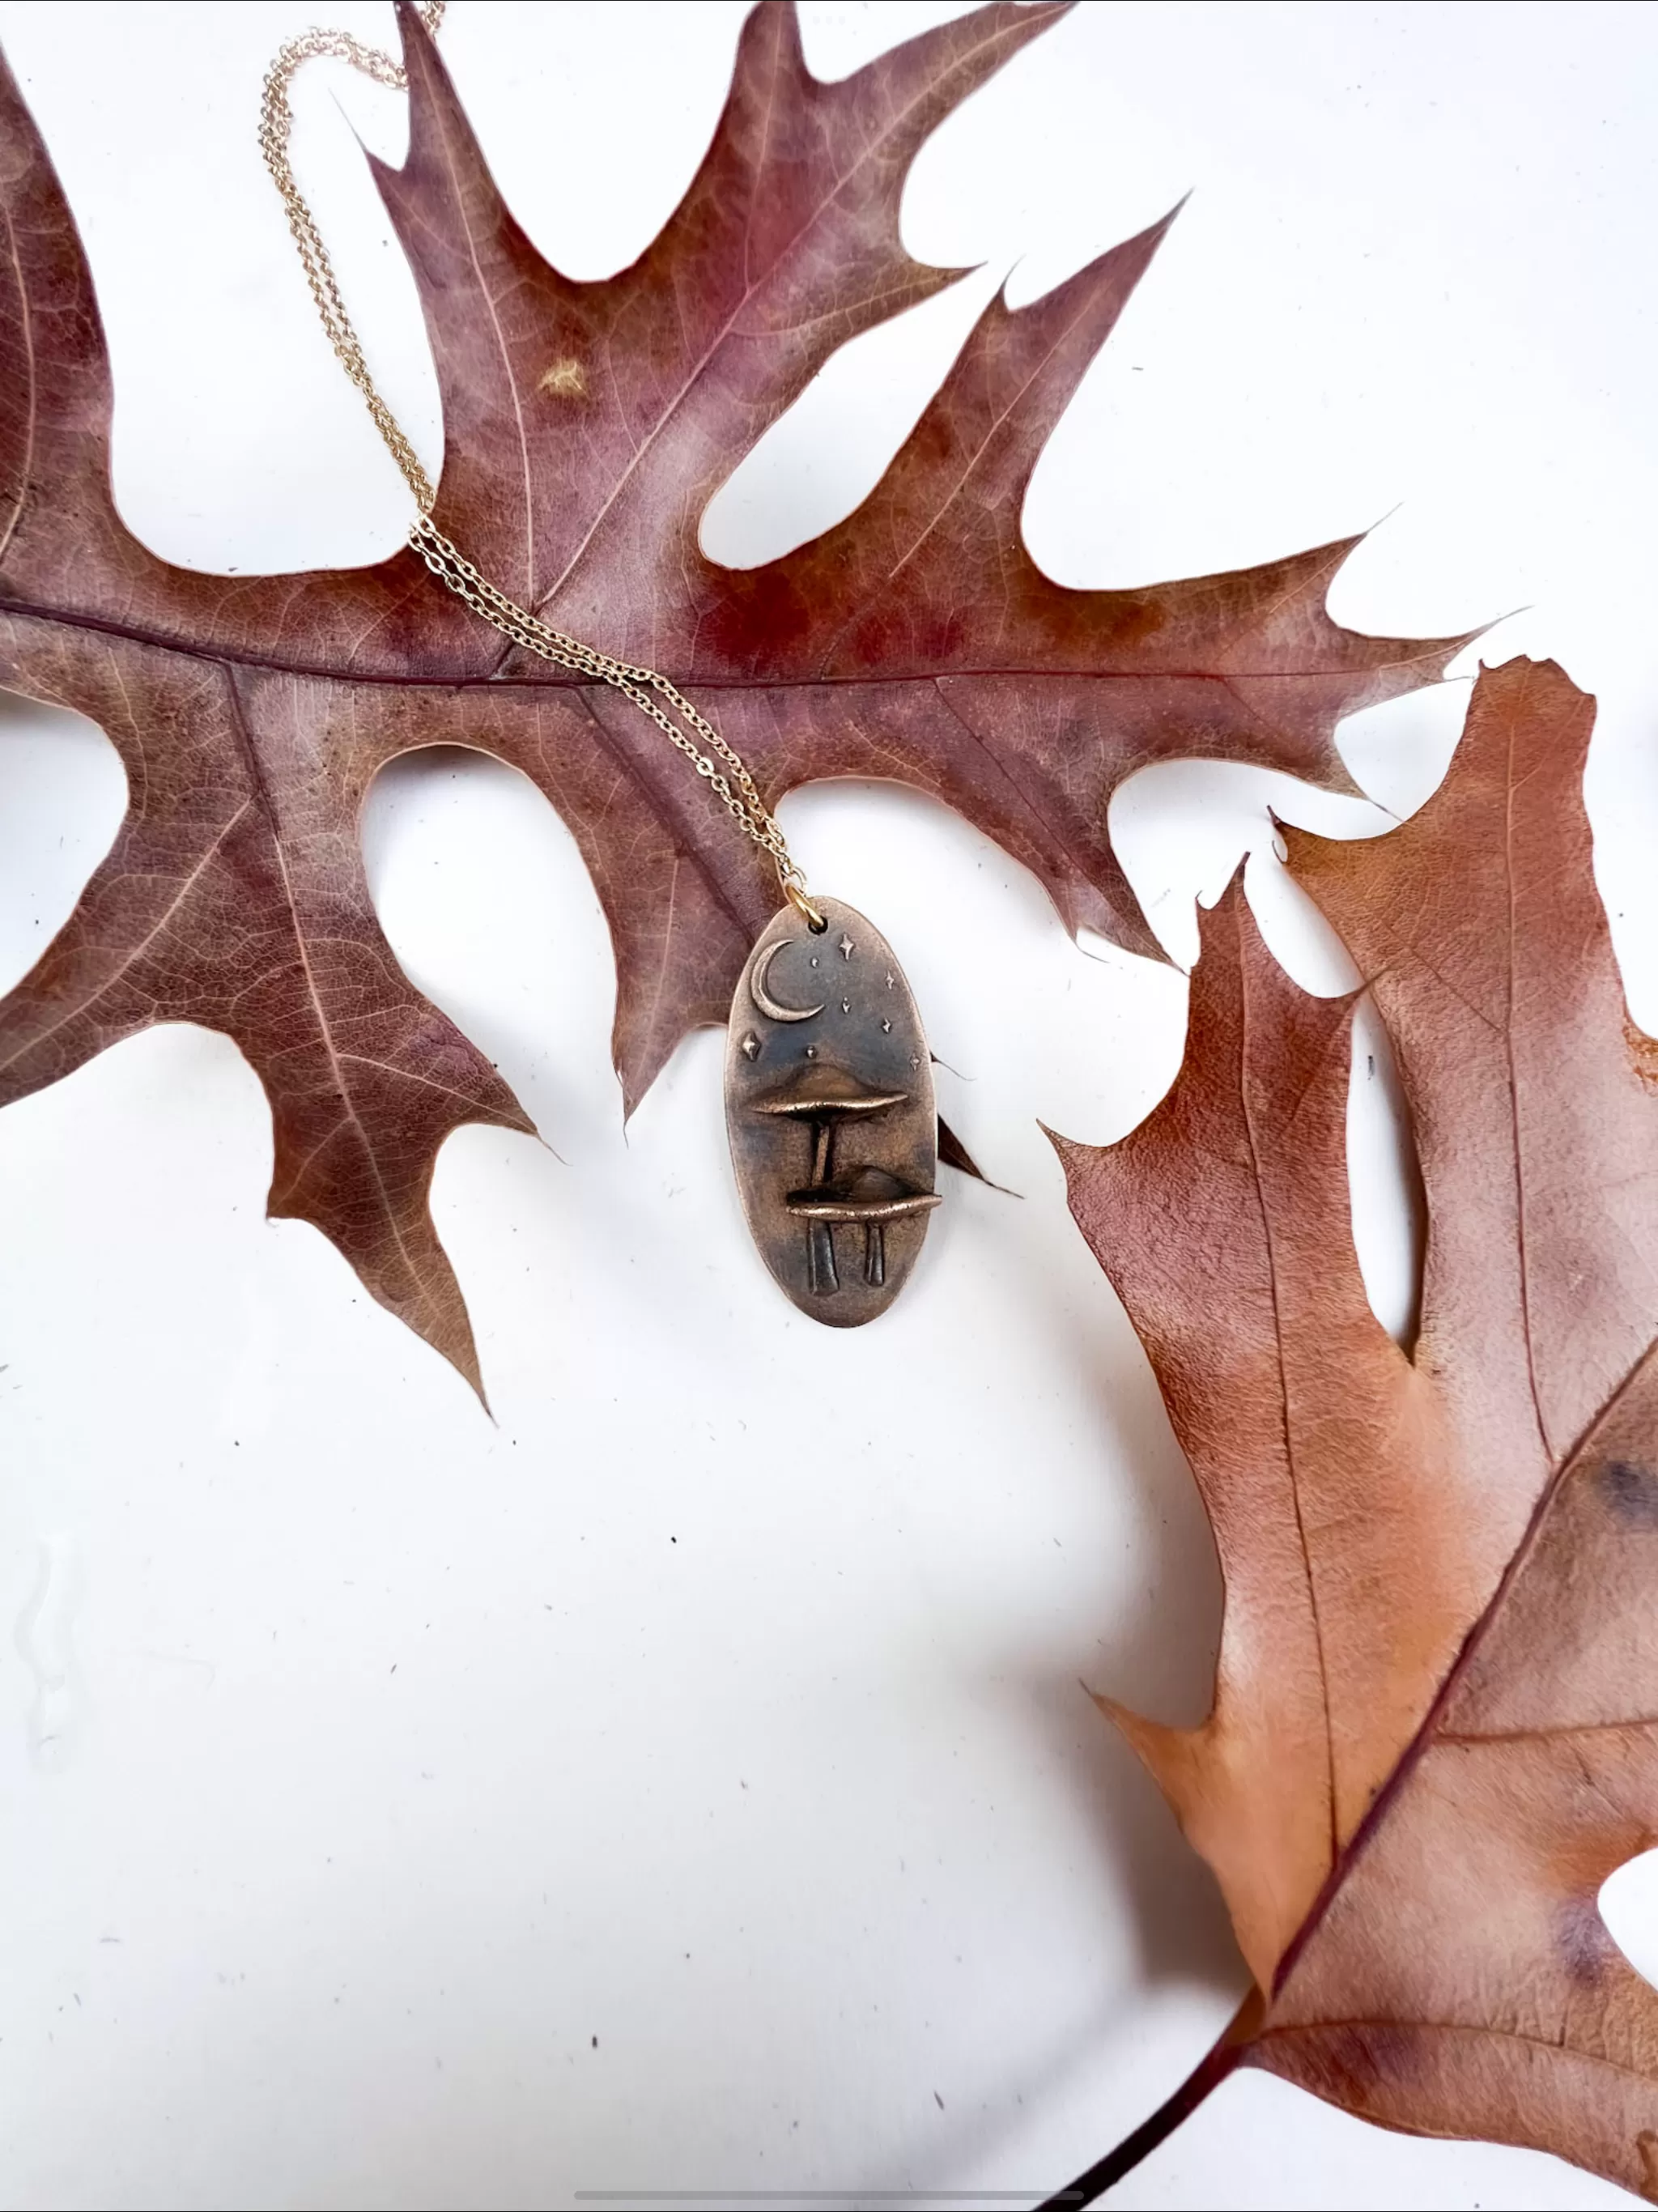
685 1782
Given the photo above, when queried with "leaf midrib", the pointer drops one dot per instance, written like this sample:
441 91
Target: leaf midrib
352 1117
1291 1465
402 680
27 315
1291 2029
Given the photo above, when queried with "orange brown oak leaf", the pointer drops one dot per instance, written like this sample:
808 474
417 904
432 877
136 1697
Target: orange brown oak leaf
587 426
1435 1727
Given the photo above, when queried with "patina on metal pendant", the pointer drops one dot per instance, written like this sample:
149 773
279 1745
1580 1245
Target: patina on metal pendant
829 1108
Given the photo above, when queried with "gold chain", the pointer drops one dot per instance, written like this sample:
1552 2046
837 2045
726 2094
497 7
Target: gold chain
648 690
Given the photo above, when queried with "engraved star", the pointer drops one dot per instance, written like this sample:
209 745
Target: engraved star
915 1060
891 979
886 1025
812 1052
845 1006
750 1045
847 948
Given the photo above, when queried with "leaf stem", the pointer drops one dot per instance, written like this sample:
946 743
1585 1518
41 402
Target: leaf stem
1208 2074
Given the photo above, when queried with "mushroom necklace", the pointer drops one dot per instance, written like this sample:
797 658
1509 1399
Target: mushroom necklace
826 1050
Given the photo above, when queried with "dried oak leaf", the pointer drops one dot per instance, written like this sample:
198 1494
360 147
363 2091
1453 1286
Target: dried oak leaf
1433 1729
587 427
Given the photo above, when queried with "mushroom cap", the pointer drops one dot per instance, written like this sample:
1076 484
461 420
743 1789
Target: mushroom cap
823 1091
866 1194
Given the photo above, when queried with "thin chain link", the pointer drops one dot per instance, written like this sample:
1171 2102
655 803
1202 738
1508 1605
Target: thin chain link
276 129
744 805
649 690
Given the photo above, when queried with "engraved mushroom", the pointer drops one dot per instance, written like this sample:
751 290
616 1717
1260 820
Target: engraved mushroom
821 1096
869 1195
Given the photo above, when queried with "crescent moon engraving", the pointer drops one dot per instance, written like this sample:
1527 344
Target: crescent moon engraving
769 1007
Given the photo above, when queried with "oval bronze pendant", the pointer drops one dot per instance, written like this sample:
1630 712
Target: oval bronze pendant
828 1106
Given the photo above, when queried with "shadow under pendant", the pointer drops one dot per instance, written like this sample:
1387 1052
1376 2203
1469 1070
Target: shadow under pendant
829 1109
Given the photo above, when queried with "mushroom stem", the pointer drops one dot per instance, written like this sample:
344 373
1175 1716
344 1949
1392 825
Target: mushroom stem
820 1237
874 1253
820 1256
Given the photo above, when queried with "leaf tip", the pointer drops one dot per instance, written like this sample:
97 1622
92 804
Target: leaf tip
1068 1148
1165 1752
459 1347
1107 281
1154 234
953 1153
1230 907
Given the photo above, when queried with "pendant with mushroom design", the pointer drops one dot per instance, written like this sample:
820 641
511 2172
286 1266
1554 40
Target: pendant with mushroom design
831 1114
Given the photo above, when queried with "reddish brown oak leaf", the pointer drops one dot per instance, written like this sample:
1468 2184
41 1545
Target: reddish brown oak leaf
1434 1731
588 425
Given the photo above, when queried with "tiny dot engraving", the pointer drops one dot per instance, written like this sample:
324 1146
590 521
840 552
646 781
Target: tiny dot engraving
812 1052
915 1060
750 1045
814 959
